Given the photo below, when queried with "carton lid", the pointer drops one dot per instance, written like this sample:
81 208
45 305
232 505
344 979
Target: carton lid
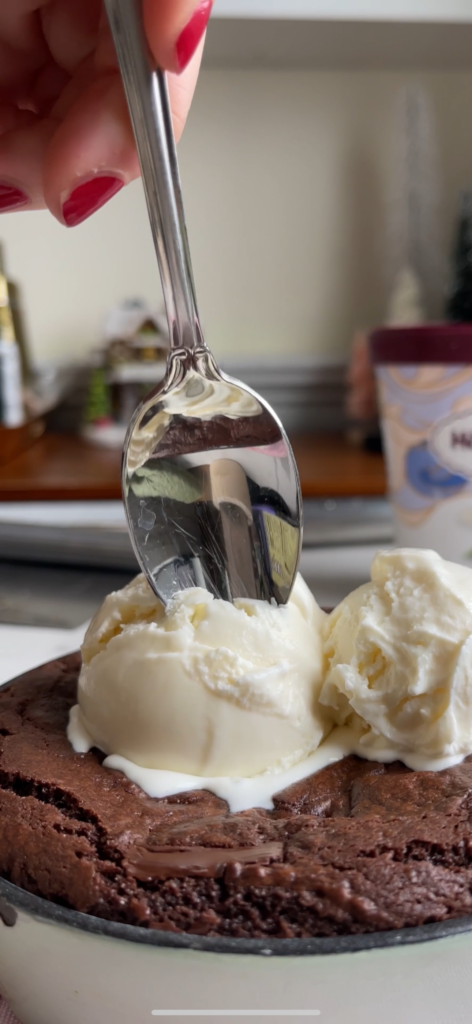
427 343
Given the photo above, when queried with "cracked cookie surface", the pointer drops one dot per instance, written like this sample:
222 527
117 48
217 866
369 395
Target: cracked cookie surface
357 847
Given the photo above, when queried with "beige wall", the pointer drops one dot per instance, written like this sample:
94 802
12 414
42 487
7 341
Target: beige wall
286 176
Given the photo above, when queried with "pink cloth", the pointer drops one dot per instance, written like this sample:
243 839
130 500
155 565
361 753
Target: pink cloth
6 1016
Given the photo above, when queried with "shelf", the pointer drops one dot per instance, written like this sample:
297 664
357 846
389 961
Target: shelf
432 11
62 467
15 440
341 35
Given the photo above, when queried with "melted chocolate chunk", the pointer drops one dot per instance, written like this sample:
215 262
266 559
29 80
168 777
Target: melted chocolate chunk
196 861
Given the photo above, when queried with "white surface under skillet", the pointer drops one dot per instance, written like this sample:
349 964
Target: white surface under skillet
60 967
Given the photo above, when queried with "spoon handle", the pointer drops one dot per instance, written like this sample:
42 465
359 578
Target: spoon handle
149 107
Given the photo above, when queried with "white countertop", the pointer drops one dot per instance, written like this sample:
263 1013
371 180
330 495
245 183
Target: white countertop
330 572
24 647
442 11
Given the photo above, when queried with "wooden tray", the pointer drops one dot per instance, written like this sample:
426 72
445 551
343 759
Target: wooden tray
15 440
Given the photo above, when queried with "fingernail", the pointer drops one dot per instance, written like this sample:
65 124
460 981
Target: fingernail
89 196
192 33
11 197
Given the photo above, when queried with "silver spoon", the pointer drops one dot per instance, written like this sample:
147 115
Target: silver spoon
210 484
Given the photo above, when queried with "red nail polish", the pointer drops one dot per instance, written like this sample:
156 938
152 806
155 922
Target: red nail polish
11 198
88 197
192 33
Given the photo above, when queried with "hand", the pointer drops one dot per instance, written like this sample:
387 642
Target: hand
66 141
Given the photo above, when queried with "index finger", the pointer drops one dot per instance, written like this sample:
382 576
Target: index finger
175 30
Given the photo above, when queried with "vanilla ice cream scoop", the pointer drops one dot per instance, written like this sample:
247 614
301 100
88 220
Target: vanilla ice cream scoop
399 658
203 687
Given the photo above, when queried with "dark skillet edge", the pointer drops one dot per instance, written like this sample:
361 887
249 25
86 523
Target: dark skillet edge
13 897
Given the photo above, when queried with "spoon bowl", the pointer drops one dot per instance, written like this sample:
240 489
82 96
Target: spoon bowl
211 494
210 483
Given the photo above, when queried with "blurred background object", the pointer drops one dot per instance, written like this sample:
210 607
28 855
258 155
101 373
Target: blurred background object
131 360
424 375
14 367
459 305
414 260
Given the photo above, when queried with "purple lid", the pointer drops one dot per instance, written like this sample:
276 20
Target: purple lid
429 343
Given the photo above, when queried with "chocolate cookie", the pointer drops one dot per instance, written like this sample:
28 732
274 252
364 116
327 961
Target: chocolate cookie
357 847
